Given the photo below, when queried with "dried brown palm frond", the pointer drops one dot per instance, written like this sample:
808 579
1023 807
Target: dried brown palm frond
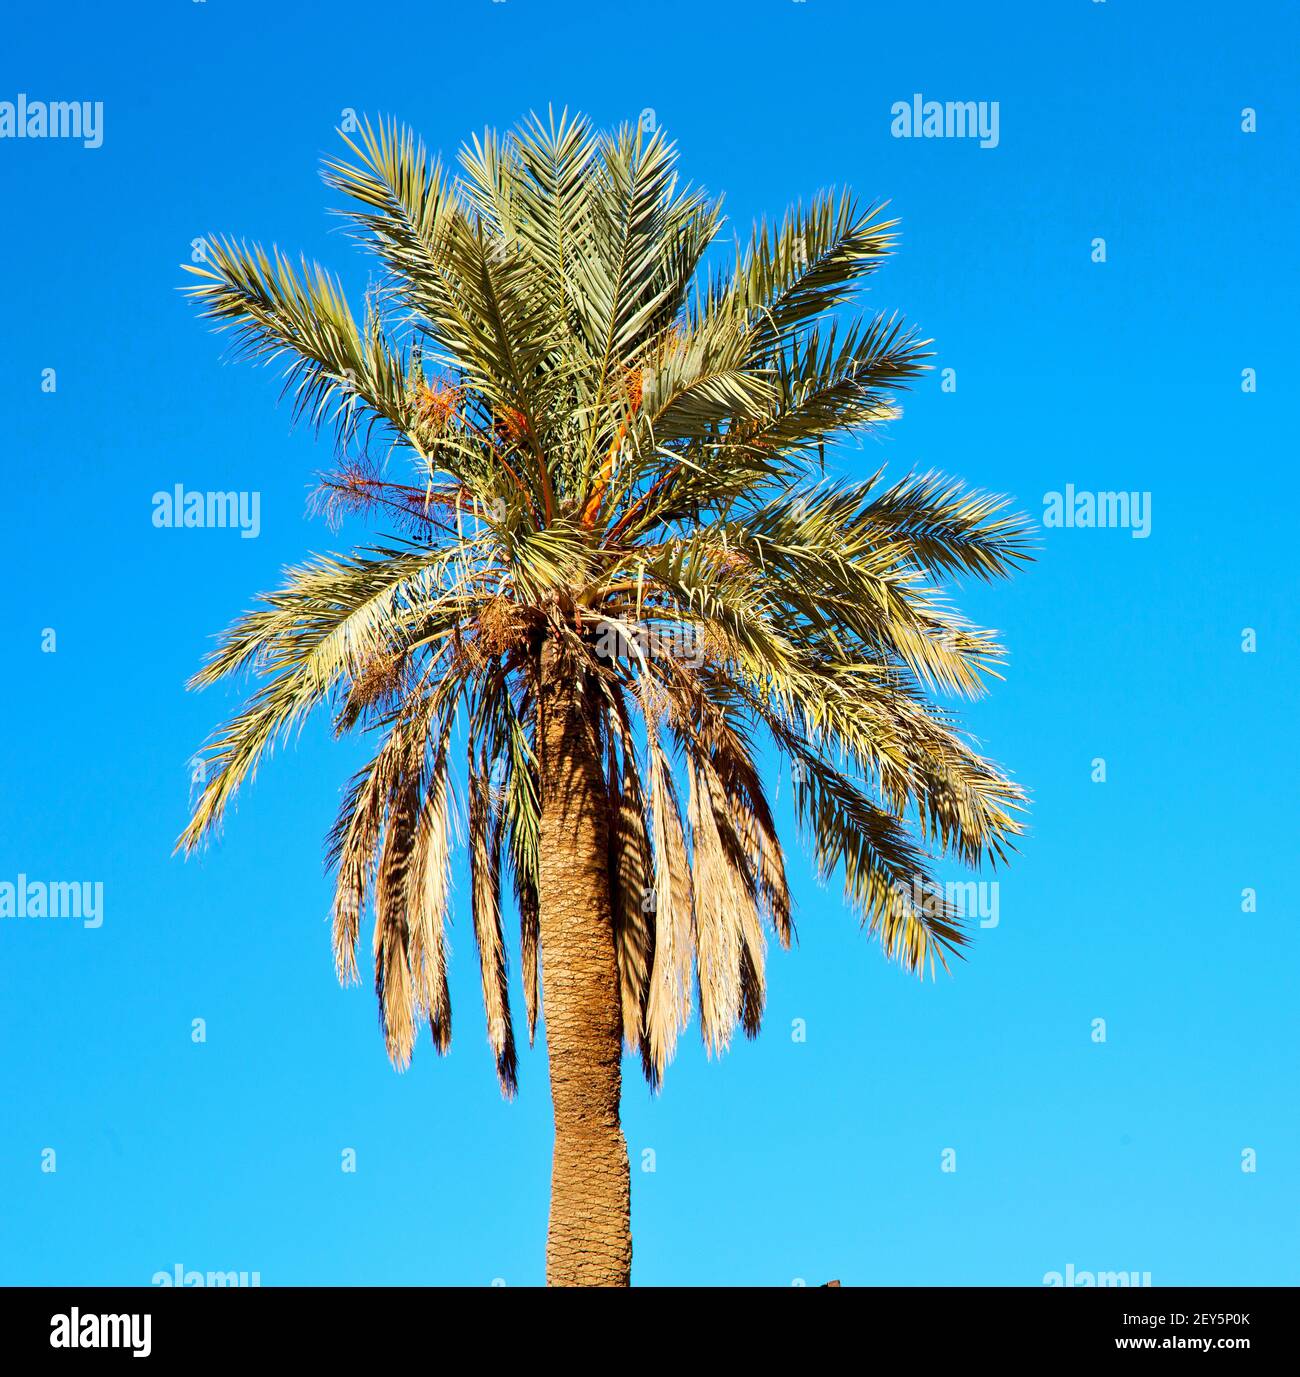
631 888
485 881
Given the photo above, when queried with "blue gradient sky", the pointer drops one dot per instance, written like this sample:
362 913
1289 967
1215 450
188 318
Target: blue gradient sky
786 1160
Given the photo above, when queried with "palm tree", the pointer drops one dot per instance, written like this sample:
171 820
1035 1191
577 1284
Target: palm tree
617 569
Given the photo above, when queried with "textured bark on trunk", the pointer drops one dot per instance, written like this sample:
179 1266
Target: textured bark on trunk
590 1241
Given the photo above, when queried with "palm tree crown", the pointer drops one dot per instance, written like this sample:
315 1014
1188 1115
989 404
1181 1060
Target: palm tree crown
615 479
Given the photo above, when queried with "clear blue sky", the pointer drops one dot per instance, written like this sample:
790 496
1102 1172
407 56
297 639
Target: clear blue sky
784 1160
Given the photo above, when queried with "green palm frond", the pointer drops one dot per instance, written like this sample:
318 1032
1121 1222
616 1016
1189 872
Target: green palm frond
809 265
335 370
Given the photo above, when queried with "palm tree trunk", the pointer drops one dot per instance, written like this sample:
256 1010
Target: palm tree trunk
590 1240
